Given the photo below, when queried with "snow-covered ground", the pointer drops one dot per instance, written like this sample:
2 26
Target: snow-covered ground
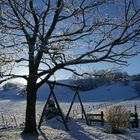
12 113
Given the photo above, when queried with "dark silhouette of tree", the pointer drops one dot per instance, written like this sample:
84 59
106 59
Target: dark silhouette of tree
46 36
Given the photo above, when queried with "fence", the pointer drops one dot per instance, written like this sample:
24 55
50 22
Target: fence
12 120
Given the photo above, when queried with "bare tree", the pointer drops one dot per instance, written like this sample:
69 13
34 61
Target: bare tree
47 36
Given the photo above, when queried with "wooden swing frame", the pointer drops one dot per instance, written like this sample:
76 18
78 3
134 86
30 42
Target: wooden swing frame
65 119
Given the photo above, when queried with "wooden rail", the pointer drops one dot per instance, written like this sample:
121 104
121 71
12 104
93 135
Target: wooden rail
95 118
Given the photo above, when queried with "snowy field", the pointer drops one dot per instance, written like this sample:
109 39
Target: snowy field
12 113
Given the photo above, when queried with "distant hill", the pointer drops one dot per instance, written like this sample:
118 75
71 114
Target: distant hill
112 92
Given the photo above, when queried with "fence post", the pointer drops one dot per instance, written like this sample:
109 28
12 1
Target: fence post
136 120
102 118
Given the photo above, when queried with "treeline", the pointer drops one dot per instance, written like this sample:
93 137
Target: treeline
103 77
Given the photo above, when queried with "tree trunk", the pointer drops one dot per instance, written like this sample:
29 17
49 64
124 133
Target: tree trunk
30 120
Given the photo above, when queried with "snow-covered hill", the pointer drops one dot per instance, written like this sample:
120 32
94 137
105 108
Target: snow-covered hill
113 92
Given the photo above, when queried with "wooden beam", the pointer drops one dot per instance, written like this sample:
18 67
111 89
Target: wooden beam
61 84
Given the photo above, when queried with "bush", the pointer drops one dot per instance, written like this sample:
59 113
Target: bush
118 118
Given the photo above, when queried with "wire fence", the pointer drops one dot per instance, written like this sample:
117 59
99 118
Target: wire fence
18 120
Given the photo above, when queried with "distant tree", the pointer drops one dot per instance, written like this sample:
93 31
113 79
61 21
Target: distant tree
111 75
92 79
46 36
120 75
135 77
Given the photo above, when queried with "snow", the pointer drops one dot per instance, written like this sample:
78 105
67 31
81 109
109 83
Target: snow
12 104
114 92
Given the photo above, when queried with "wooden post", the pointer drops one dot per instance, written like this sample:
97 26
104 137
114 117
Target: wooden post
82 114
134 116
135 108
136 119
102 118
42 115
83 110
70 106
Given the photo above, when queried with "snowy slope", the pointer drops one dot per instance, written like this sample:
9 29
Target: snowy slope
109 93
113 92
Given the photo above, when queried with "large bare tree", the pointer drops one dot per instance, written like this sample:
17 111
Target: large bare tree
48 35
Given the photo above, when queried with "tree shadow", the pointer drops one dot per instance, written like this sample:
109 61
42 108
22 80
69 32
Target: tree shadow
28 137
34 137
77 129
133 133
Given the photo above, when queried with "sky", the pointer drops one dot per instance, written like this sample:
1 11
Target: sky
134 66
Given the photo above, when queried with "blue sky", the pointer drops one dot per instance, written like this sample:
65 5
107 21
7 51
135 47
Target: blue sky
134 65
132 68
